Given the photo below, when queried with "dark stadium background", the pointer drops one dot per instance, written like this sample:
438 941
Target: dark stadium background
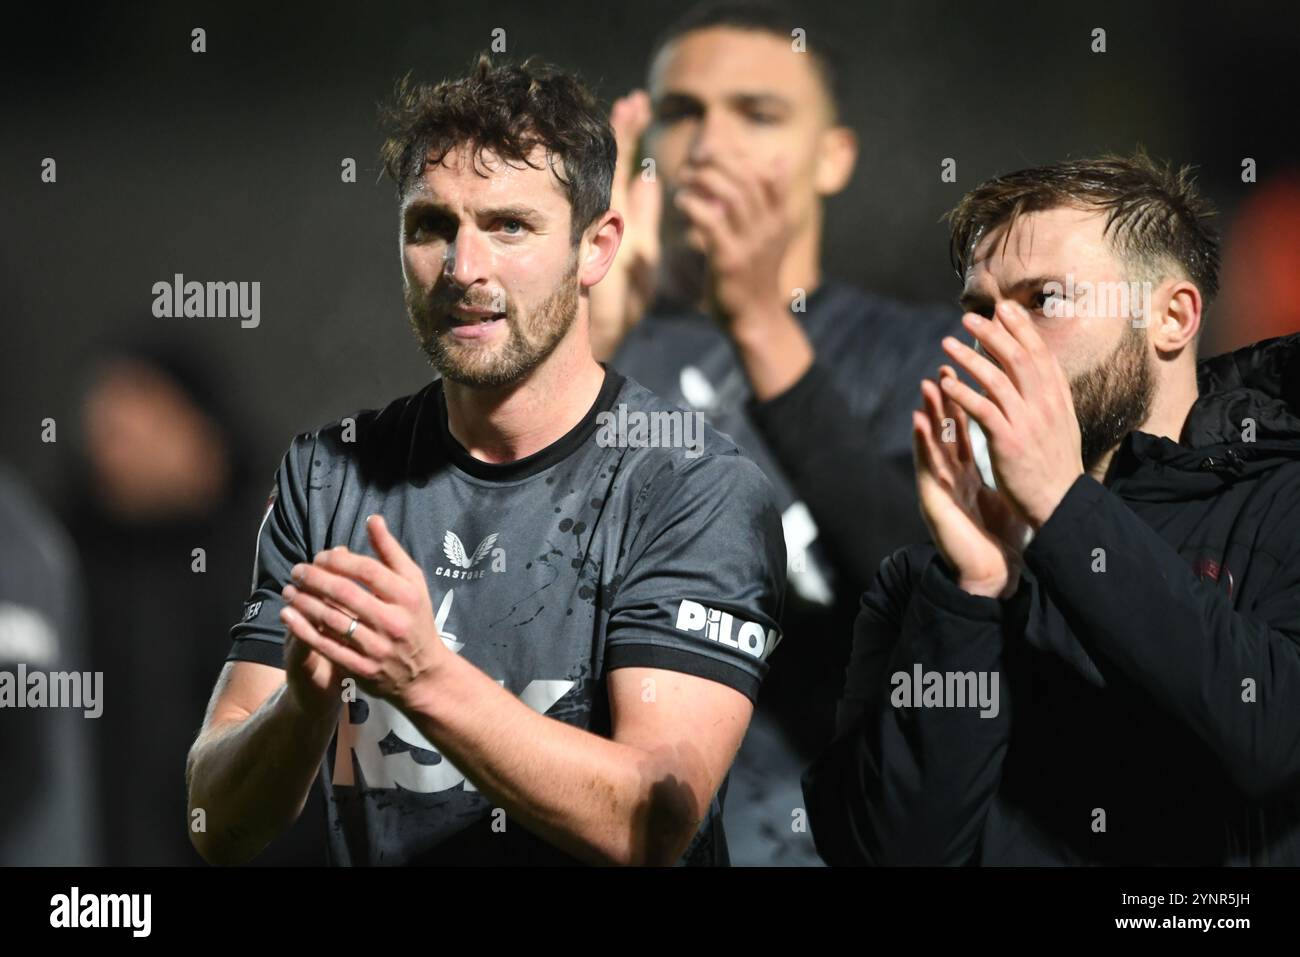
225 166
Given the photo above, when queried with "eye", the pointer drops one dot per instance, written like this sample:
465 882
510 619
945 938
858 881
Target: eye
1042 299
428 228
512 227
762 117
669 113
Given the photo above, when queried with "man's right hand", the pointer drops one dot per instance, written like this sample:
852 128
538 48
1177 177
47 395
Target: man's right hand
315 684
973 527
620 299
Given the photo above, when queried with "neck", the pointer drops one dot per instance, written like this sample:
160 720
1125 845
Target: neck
508 423
1169 411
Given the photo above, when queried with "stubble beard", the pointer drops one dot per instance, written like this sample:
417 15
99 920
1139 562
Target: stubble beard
470 363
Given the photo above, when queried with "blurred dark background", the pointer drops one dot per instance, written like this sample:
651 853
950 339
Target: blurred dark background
225 166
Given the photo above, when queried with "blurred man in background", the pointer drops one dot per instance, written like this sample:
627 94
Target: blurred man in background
48 799
165 474
718 303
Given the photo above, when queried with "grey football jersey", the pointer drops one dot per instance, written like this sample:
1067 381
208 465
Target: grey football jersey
606 549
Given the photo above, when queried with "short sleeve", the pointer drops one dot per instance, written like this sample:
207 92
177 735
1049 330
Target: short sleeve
282 542
704 578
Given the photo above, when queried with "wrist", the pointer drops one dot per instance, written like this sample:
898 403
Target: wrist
772 348
996 588
310 710
752 325
943 587
427 688
999 586
1041 510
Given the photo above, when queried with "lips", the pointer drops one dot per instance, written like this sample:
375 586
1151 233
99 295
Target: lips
474 323
472 316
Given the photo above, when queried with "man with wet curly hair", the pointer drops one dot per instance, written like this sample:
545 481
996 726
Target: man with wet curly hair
500 628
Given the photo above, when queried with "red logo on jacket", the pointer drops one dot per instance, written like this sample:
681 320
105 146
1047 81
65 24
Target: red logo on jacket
1208 568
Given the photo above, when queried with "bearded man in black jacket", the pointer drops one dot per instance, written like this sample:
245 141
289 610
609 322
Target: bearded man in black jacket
1098 662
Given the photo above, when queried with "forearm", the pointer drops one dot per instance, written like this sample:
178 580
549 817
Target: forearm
904 784
882 795
1174 636
772 348
862 498
597 799
252 777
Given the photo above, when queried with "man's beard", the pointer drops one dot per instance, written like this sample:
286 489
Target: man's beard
508 362
1114 397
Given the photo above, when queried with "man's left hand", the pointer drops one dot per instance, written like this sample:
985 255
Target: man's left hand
395 649
1027 412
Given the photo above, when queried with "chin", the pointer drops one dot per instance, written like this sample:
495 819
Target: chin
479 367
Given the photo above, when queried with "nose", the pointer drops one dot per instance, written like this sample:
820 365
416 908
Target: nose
709 138
467 259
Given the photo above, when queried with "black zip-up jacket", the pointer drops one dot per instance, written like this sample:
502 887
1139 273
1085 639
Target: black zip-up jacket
1148 666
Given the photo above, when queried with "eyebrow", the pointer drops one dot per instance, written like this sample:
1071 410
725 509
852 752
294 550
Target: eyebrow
972 301
760 99
511 211
742 99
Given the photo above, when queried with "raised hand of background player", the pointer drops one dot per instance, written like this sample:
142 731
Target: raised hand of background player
1027 411
739 211
395 647
974 528
620 299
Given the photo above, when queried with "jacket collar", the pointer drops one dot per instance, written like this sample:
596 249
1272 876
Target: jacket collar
1245 421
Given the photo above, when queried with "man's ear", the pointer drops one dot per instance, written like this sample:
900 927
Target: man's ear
598 247
837 154
1175 328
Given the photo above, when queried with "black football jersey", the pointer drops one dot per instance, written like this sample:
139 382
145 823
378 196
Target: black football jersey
638 539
